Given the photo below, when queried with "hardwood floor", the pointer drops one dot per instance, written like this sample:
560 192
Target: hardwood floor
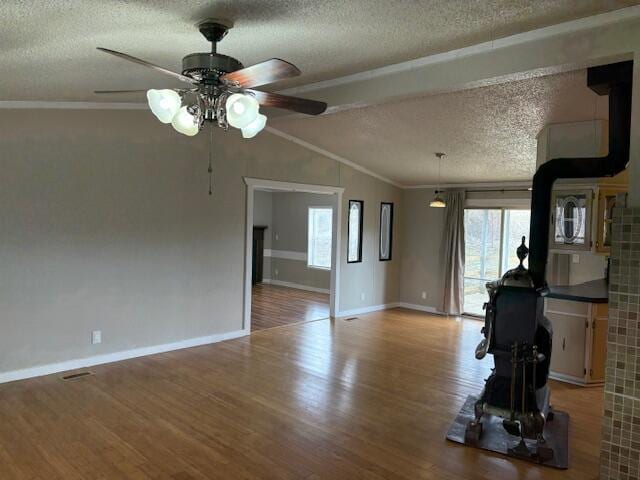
368 398
275 306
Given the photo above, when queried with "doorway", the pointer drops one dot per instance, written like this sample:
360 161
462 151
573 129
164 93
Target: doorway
291 267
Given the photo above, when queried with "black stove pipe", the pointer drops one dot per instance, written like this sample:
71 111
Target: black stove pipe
616 81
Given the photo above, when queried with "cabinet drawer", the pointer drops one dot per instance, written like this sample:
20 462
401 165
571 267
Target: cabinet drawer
567 306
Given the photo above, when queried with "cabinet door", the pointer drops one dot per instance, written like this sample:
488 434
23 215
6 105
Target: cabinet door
571 219
606 204
598 349
569 335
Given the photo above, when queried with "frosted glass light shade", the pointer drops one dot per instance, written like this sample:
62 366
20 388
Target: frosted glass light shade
241 110
185 123
254 127
437 202
164 104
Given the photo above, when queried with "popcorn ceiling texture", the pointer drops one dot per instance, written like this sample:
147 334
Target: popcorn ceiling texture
620 455
47 47
488 133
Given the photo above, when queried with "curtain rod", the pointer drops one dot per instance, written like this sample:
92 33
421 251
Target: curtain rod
501 190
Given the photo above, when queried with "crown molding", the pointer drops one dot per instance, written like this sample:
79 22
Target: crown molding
328 154
28 105
479 186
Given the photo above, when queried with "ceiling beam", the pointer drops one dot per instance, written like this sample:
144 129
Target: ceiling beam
589 41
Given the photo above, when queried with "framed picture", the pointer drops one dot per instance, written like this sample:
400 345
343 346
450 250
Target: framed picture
386 231
354 231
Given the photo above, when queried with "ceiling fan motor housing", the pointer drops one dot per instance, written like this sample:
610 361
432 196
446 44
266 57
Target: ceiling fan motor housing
209 66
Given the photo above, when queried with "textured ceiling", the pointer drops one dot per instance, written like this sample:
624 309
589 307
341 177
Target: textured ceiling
489 134
47 47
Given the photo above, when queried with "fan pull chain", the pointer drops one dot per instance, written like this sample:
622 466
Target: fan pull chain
210 169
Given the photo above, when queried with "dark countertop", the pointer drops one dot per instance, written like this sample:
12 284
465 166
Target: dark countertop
595 291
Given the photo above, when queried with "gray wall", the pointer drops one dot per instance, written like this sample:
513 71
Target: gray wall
422 266
105 223
290 232
370 282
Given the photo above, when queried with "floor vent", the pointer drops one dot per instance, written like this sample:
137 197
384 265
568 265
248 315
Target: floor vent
350 319
75 376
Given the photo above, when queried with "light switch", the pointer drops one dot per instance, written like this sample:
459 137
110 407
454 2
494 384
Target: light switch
575 258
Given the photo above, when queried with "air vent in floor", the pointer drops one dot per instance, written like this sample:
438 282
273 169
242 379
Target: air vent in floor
75 376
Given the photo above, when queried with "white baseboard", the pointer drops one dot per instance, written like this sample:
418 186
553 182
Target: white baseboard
281 283
369 309
50 368
421 308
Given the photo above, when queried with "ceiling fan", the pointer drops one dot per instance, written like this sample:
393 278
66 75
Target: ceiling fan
220 89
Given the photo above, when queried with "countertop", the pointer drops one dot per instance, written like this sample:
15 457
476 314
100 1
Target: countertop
595 291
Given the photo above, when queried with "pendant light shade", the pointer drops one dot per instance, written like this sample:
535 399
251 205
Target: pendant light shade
185 123
242 109
164 104
437 202
254 127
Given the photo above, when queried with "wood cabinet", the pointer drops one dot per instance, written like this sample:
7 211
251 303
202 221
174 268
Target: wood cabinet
579 341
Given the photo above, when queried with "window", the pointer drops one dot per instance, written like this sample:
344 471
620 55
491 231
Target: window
319 237
491 239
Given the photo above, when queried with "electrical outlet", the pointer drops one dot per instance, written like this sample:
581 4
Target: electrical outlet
424 295
277 237
575 258
96 337
276 272
362 296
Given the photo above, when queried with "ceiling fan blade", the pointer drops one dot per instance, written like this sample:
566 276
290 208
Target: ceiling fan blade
144 63
119 91
262 73
301 105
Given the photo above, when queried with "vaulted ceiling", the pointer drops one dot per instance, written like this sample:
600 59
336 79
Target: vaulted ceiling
47 53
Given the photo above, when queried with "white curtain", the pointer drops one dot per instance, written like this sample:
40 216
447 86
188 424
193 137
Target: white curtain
453 239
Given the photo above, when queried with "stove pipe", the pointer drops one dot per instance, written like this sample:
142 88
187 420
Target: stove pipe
614 80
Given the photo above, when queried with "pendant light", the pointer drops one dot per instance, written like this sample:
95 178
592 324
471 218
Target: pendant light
438 201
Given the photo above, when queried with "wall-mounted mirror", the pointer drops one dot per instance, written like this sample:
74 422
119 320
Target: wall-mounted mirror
354 231
386 231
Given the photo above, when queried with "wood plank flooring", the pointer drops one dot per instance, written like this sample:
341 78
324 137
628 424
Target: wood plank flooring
370 398
275 306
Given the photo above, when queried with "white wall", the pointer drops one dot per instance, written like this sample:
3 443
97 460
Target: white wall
105 223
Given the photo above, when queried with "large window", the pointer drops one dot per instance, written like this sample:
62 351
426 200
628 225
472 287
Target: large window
319 237
491 239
